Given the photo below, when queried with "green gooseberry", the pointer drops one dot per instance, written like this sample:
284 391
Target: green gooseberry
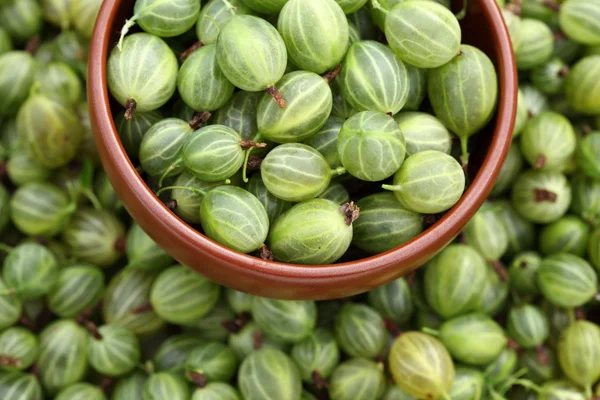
360 331
17 71
522 114
550 77
417 88
336 192
181 296
521 232
215 15
513 25
19 348
130 387
421 366
384 224
266 6
273 205
315 231
423 34
357 379
6 44
269 374
541 196
361 19
354 34
22 19
379 11
523 273
285 321
165 385
49 130
31 270
40 209
503 367
528 325
200 82
239 302
325 141
371 146
72 50
113 350
393 301
213 326
588 155
474 338
45 52
250 339
341 108
583 86
211 362
252 54
511 169
469 383
314 27
21 169
81 390
147 56
464 93
4 208
394 392
240 113
56 12
539 372
566 49
351 6
560 318
95 236
422 132
133 130
11 307
569 234
548 141
173 352
62 360
142 252
385 92
535 101
563 389
579 21
494 294
566 280
216 390
88 149
485 233
535 47
593 250
235 218
127 299
77 288
591 50
579 353
541 11
453 280
83 16
20 386
105 192
316 356
428 182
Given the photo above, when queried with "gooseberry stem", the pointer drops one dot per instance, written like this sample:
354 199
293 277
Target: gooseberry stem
338 171
8 361
257 138
276 95
540 162
188 52
331 75
5 248
430 331
9 292
464 158
248 144
462 13
130 107
199 119
588 392
232 9
171 168
377 6
197 378
351 212
91 196
393 188
128 24
265 253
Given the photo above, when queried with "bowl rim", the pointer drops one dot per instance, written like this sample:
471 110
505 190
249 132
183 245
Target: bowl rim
169 231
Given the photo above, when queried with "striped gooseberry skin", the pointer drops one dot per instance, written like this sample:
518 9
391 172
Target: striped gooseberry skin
132 131
464 92
239 302
538 372
359 331
115 351
143 252
579 352
474 338
566 280
285 321
235 218
62 359
315 32
393 392
130 387
511 169
19 386
144 55
541 196
421 365
273 205
200 82
523 272
494 294
583 86
215 15
561 389
309 101
214 361
162 145
269 374
371 146
429 182
40 209
423 34
357 379
77 288
172 353
251 53
69 48
351 6
535 47
240 113
362 20
213 153
469 383
593 250
295 172
312 232
486 234
513 25
49 131
17 71
417 87
216 391
11 308
569 234
393 301
57 13
550 77
244 342
325 141
265 6
535 102
318 353
211 326
502 367
341 108
384 91
81 390
379 15
127 294
384 224
21 170
21 345
189 192
182 296
21 19
588 155
336 192
422 132
580 21
83 16
31 270
165 385
354 34
4 208
548 141
166 18
528 325
453 280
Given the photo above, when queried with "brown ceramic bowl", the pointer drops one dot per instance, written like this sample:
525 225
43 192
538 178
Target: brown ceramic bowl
483 27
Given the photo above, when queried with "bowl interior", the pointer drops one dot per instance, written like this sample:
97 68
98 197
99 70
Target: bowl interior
483 27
